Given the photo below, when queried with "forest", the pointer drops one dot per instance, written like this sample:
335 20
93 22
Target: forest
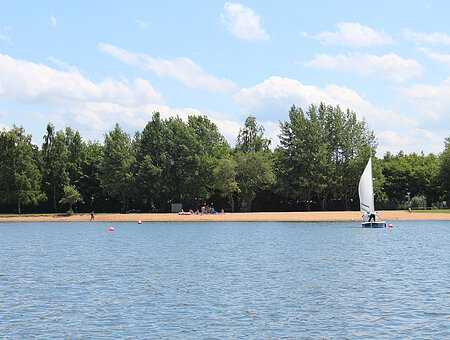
317 165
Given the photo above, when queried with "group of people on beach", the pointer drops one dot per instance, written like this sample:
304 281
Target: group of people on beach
204 210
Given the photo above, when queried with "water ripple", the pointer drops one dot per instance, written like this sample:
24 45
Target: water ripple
224 280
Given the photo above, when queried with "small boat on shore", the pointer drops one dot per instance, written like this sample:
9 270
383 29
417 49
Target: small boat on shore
366 199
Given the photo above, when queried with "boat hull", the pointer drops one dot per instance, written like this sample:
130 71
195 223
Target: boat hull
379 224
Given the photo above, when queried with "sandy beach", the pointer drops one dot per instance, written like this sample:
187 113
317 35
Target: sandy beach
317 216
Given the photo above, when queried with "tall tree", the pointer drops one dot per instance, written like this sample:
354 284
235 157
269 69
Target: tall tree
225 180
153 162
118 166
444 170
55 175
211 148
322 154
89 181
254 173
251 137
20 177
76 154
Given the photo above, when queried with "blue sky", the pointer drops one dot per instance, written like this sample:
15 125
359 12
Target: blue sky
88 65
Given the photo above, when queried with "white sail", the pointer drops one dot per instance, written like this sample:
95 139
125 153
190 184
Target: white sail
365 190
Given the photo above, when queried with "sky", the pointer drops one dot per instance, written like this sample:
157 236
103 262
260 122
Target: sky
91 64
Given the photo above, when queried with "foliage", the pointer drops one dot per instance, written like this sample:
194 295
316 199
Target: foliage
444 170
71 196
20 177
117 166
322 153
225 180
419 202
254 171
251 137
55 161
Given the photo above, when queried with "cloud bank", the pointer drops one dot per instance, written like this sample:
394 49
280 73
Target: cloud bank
354 35
389 66
242 22
182 69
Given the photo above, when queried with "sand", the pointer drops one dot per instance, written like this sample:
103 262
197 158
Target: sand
237 217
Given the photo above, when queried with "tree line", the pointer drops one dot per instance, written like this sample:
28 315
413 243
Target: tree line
322 153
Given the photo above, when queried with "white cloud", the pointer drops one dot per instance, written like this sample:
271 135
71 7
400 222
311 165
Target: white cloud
29 82
52 20
125 56
432 102
242 22
182 69
142 25
271 100
98 118
4 37
353 34
442 58
63 65
389 66
274 97
431 38
408 140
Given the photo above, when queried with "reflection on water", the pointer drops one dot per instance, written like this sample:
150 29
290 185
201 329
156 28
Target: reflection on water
224 280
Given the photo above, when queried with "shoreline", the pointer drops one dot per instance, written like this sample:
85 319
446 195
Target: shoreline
303 216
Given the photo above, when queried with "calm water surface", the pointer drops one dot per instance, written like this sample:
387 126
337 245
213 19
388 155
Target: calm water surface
224 280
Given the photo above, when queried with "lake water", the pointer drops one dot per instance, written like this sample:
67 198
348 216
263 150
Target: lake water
224 280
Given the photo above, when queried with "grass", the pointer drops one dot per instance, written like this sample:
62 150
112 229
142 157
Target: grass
39 214
446 211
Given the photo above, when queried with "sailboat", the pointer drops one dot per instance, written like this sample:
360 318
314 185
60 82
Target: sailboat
366 198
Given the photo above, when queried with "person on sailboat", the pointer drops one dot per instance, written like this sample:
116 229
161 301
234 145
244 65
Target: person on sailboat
372 216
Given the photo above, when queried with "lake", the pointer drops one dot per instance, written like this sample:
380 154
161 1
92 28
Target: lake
224 280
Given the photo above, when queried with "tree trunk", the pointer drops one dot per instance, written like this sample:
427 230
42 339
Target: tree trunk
232 203
54 197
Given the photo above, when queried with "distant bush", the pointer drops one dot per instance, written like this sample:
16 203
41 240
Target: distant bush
69 212
419 202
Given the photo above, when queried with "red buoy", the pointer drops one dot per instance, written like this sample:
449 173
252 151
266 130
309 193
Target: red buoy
139 222
390 226
111 229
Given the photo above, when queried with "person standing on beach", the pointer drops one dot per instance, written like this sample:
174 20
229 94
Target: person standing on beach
92 216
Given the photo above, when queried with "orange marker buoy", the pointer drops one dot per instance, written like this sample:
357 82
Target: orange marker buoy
139 222
111 229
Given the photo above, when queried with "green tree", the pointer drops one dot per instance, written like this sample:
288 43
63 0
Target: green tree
211 147
251 137
89 181
71 196
254 172
444 170
153 162
225 180
20 177
76 154
54 156
322 154
117 166
413 173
